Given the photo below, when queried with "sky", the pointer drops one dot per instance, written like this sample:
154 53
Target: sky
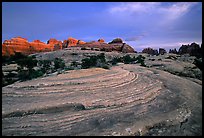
139 24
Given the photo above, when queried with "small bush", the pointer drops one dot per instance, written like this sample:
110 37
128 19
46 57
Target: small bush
105 66
59 63
74 53
83 48
198 63
94 61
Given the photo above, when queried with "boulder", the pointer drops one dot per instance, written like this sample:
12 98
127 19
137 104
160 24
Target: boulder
150 51
101 40
162 51
117 40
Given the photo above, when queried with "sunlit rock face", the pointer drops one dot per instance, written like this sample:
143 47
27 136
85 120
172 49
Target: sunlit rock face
38 46
19 44
101 40
80 42
72 41
55 43
16 44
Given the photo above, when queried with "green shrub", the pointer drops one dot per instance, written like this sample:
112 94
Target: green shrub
94 61
45 65
83 48
105 66
127 59
59 63
198 63
28 62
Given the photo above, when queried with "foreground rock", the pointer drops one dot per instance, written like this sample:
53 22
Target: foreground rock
97 102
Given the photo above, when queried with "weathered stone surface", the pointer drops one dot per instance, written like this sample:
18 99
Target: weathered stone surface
16 44
38 46
101 40
162 51
72 41
193 50
80 42
55 43
124 100
117 40
174 51
150 51
120 47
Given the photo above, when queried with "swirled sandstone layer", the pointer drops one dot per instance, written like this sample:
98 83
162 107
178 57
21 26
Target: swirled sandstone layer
125 100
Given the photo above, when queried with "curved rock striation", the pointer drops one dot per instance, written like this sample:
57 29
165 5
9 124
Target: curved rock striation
125 100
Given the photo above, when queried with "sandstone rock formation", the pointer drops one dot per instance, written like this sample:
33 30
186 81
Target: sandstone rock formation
72 41
117 40
193 50
19 44
121 47
80 42
38 46
126 100
150 51
162 51
174 51
115 45
101 40
16 44
55 43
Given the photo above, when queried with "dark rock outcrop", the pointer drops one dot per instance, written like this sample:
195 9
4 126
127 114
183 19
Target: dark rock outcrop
162 51
193 50
117 40
150 51
174 51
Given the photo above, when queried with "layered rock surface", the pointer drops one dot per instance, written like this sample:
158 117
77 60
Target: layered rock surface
125 100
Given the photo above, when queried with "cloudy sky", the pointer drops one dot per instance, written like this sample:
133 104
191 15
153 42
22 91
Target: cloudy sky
139 24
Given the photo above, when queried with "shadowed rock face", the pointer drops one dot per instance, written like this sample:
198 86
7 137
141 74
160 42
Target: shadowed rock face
117 40
125 100
174 51
120 47
193 50
150 51
162 51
